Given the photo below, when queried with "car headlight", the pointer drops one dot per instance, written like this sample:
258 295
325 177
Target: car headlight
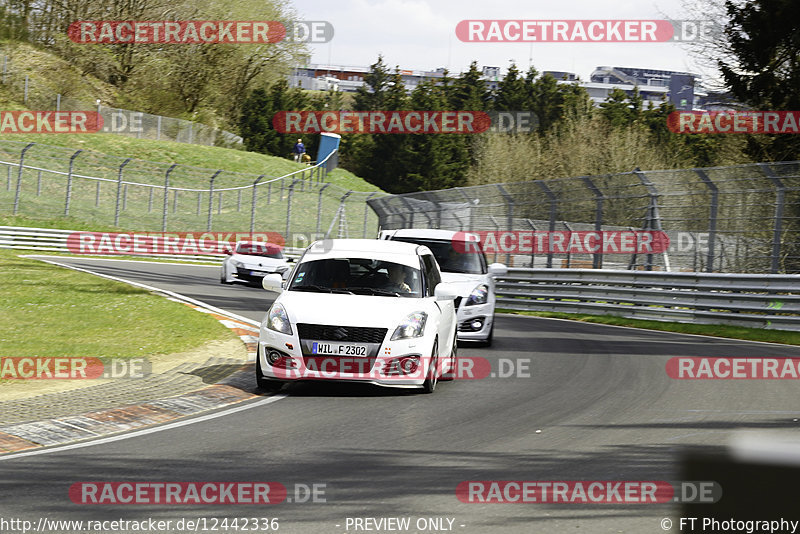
479 295
278 320
412 326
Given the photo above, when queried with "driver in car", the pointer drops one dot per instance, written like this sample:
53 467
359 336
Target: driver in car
397 278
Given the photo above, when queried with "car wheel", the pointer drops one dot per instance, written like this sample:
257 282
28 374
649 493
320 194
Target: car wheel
265 383
432 378
450 375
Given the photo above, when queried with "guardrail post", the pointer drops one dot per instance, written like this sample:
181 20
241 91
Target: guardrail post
211 199
366 206
712 218
166 197
780 195
19 176
599 198
553 211
319 206
69 182
253 204
119 190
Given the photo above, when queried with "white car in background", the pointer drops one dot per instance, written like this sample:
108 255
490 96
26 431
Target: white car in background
359 310
250 261
468 271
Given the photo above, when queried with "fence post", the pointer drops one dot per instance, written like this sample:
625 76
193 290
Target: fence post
150 201
69 182
39 182
124 197
553 211
25 93
199 201
58 102
780 194
653 216
533 244
166 197
19 177
366 206
211 199
8 178
219 203
174 201
239 201
158 128
253 204
96 193
510 217
119 190
712 218
599 198
288 209
319 206
269 191
569 254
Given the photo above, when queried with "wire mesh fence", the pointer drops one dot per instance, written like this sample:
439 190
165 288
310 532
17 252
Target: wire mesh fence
36 96
43 181
743 218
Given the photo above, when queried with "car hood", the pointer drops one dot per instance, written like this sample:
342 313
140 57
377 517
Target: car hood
463 282
348 310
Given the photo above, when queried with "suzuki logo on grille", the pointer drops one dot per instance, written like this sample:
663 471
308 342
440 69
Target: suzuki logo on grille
340 334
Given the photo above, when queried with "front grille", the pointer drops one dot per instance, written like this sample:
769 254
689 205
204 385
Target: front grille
348 334
339 364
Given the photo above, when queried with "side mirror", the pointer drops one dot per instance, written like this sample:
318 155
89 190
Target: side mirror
498 269
273 283
445 291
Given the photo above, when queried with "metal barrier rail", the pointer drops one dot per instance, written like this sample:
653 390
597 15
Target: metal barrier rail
750 300
55 240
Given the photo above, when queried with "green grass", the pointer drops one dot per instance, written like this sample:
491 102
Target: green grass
725 331
51 311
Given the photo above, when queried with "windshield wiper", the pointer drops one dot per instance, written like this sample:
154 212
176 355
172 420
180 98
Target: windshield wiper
376 291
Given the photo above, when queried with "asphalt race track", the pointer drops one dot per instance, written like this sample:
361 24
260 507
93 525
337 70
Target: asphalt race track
597 405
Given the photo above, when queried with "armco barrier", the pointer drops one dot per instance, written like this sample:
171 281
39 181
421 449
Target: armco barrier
751 300
54 240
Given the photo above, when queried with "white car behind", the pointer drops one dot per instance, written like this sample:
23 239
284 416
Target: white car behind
466 270
250 261
359 310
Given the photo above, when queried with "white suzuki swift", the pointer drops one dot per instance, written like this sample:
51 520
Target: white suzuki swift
359 310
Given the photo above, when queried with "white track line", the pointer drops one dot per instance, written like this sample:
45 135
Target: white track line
144 432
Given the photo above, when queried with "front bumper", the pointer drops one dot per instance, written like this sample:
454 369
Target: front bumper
381 368
469 316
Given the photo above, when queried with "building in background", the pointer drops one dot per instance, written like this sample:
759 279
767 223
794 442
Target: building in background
683 89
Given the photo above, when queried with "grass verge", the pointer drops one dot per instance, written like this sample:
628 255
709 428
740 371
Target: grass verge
714 330
55 312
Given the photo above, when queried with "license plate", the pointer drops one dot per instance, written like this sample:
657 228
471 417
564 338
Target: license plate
258 273
338 349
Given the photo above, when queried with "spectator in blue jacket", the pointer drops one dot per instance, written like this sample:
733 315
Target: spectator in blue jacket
298 151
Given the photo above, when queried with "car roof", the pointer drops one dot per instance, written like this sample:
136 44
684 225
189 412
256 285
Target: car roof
427 233
394 251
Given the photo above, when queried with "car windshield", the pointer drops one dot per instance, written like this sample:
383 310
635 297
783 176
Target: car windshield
449 259
358 276
267 250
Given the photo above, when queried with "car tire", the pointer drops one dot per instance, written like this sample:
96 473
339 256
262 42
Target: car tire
432 378
265 383
446 377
